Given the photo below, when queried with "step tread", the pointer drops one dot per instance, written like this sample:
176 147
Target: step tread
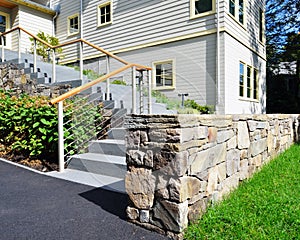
91 179
98 157
110 141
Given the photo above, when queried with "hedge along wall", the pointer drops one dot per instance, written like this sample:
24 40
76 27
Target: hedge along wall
178 164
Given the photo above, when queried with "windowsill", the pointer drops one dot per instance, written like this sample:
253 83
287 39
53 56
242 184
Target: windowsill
244 99
73 34
193 16
237 21
164 88
104 24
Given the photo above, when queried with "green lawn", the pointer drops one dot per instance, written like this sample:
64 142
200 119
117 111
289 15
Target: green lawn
265 207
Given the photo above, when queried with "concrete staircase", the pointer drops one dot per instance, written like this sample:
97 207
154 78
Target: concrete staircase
103 166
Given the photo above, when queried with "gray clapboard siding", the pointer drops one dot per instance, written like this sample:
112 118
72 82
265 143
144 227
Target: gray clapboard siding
33 21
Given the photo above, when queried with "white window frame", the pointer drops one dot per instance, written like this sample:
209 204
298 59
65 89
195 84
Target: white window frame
8 36
69 24
193 9
236 15
100 24
154 75
249 86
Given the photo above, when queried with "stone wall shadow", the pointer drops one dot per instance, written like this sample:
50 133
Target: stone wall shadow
112 202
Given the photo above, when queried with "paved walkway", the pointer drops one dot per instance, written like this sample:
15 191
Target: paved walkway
36 206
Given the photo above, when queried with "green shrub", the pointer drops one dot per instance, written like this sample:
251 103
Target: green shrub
29 125
119 82
41 49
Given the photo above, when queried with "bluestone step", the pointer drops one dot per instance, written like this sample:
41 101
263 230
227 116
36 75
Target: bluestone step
114 166
117 133
108 146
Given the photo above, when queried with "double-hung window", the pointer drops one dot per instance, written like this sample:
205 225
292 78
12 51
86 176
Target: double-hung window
164 76
4 25
202 7
248 82
104 13
73 24
237 10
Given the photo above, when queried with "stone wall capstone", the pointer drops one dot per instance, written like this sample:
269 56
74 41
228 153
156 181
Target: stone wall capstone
178 164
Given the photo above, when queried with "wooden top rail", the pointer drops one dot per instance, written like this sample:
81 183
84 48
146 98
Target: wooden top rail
90 84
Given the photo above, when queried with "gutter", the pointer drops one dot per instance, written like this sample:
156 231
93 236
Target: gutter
35 6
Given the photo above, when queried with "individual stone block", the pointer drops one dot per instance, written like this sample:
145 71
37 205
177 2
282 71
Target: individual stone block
212 180
258 147
133 139
224 135
197 209
244 169
212 134
132 213
231 143
144 216
140 186
232 162
208 158
174 216
148 159
135 157
170 163
184 188
243 135
201 132
161 189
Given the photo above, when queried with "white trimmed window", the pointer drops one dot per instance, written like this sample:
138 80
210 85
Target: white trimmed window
73 24
201 8
164 74
104 13
248 82
237 10
4 26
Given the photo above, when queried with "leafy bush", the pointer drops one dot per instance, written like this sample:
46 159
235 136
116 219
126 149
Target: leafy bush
29 125
190 106
43 50
119 82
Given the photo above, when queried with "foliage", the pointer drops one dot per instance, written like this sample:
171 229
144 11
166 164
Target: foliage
119 82
190 106
265 207
43 50
282 19
29 125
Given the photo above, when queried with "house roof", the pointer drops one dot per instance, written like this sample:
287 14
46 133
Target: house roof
28 3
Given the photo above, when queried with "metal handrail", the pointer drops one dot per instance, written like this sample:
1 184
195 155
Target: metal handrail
59 100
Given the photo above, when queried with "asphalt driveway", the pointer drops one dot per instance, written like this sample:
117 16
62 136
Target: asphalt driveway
35 206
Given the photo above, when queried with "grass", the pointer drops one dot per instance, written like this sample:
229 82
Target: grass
265 207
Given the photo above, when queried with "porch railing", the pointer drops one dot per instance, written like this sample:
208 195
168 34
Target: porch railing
60 99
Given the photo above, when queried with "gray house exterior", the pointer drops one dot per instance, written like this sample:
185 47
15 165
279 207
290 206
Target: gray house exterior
214 50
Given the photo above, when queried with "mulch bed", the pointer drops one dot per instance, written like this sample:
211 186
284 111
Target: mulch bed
43 165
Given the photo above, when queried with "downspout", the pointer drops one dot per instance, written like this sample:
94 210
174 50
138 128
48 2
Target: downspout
218 97
81 44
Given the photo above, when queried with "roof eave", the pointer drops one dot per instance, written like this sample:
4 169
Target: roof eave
35 6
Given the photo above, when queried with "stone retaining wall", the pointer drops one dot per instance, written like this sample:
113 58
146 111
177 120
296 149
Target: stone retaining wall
178 164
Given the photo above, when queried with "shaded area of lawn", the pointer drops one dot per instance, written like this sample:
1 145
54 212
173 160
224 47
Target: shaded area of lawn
265 207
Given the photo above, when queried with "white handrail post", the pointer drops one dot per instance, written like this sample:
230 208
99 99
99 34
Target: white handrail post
53 66
2 44
149 92
19 45
141 93
61 161
81 60
133 90
34 56
108 80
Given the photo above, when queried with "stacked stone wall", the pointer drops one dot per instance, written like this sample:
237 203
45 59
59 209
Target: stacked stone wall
14 79
178 164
